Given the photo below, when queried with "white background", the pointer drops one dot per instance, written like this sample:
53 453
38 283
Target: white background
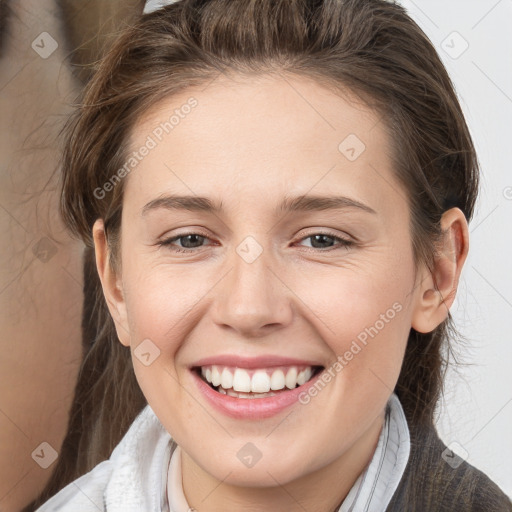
476 412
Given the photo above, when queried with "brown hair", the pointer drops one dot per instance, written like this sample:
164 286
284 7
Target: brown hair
372 47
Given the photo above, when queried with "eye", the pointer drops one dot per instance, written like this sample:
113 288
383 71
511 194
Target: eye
191 241
319 241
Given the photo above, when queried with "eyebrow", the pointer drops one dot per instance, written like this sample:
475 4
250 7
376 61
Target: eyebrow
289 204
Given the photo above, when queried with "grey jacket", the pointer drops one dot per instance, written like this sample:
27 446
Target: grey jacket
432 483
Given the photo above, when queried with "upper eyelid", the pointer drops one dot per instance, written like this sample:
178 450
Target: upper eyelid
315 231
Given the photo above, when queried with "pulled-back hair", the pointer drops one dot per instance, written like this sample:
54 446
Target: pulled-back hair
372 48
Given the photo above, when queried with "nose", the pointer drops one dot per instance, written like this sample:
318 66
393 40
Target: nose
252 299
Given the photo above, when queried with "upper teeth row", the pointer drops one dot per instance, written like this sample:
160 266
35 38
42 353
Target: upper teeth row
260 382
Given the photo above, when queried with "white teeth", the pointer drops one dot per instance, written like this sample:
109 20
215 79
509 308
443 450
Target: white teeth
215 376
226 380
241 381
262 380
291 378
277 381
304 376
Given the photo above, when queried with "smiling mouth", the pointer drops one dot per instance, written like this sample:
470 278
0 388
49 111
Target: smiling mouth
255 383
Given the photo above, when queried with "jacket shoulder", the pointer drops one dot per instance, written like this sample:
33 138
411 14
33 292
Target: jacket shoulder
438 480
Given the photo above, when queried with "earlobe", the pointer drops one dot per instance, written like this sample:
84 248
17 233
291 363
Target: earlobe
110 283
437 289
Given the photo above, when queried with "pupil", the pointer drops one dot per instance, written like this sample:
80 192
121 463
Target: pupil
321 237
187 237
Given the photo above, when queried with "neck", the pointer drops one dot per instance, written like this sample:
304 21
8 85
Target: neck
324 489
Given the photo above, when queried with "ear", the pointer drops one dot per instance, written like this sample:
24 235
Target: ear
111 283
437 289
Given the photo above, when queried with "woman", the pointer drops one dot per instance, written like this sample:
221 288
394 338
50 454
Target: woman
220 145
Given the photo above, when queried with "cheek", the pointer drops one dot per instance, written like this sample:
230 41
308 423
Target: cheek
348 302
370 345
160 302
364 319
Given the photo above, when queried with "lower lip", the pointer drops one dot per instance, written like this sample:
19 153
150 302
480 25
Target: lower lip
252 408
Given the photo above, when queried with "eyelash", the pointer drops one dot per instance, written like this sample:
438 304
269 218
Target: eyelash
344 243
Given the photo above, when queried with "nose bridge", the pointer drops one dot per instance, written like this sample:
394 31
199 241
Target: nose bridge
252 297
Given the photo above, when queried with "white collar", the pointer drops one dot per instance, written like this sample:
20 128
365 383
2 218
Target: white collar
375 487
147 461
371 492
133 479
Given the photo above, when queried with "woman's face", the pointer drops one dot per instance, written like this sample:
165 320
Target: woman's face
265 275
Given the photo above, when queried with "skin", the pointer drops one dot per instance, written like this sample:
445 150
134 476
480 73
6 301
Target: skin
250 143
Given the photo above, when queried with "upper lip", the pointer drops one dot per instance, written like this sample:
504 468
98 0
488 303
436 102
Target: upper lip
262 361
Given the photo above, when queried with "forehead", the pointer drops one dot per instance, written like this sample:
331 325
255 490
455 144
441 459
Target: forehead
259 135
